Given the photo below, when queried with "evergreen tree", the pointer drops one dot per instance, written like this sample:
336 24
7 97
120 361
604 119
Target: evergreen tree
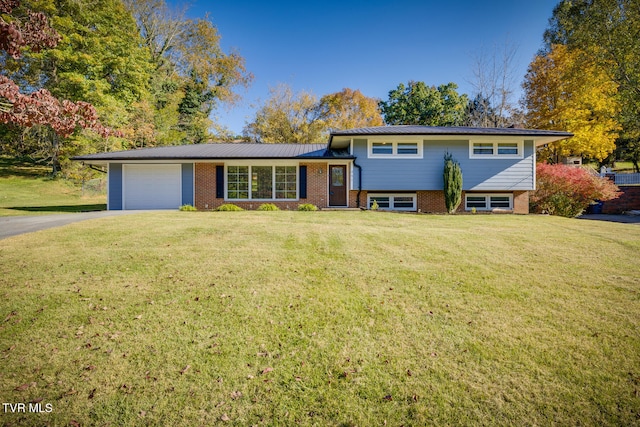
452 183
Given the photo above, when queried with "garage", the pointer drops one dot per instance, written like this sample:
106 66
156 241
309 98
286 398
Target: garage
156 186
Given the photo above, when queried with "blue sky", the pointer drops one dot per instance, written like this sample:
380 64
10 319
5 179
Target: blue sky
325 46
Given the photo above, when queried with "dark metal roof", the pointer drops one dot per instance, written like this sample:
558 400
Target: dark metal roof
448 130
214 151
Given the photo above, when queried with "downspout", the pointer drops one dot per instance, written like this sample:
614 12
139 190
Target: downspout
359 181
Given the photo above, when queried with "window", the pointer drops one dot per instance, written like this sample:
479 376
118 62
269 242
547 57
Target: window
238 182
496 150
486 202
382 148
508 148
262 182
395 149
286 182
398 202
407 148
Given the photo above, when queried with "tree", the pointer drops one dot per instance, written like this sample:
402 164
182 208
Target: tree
193 74
564 92
349 109
287 117
494 84
419 104
567 190
608 34
480 112
39 108
452 177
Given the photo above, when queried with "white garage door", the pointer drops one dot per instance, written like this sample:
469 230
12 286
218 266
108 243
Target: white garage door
152 186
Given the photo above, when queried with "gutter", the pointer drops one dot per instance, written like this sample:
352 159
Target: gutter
95 168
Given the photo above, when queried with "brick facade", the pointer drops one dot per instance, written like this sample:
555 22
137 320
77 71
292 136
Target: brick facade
629 200
317 193
205 186
433 201
205 189
521 202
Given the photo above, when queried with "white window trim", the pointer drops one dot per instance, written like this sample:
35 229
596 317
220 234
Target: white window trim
273 178
495 154
391 197
487 197
394 143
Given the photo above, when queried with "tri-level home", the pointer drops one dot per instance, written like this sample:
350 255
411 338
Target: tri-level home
398 167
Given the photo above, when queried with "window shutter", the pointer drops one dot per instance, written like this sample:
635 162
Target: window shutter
220 182
303 182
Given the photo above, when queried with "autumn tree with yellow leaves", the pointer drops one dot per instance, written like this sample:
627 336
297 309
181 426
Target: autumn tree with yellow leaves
564 90
301 117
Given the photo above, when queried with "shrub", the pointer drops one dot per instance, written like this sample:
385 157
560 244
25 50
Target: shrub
229 207
188 208
452 177
268 207
568 190
307 207
375 206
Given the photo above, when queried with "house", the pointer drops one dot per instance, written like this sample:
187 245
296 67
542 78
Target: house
399 167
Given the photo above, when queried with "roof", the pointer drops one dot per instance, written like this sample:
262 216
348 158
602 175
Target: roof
448 130
214 151
339 139
335 148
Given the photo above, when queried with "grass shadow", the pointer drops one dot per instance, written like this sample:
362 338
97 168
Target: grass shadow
64 208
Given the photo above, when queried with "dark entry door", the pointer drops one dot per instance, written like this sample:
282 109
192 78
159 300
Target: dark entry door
337 185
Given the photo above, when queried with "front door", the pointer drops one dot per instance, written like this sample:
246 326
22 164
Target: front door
337 185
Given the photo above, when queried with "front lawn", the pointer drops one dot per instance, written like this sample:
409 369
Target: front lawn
322 318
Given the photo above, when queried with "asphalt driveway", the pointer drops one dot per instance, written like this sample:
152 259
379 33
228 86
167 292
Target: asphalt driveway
626 219
14 225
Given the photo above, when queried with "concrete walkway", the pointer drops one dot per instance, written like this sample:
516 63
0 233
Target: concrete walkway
14 225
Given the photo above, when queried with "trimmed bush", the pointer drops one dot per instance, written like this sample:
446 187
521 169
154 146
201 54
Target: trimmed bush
268 207
188 208
229 207
567 190
452 177
307 207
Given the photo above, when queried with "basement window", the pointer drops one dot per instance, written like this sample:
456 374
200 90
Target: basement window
487 202
394 202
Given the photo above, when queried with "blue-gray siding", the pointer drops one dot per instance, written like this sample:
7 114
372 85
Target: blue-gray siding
187 184
115 187
426 173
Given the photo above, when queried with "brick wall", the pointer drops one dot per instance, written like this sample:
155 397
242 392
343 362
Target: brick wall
629 200
205 186
521 202
317 184
433 201
353 199
205 189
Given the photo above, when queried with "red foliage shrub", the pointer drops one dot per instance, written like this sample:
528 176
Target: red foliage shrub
568 190
39 107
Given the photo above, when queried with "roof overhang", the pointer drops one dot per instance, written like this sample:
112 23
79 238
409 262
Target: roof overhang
342 139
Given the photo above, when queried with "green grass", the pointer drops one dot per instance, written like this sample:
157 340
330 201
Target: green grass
327 318
28 189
